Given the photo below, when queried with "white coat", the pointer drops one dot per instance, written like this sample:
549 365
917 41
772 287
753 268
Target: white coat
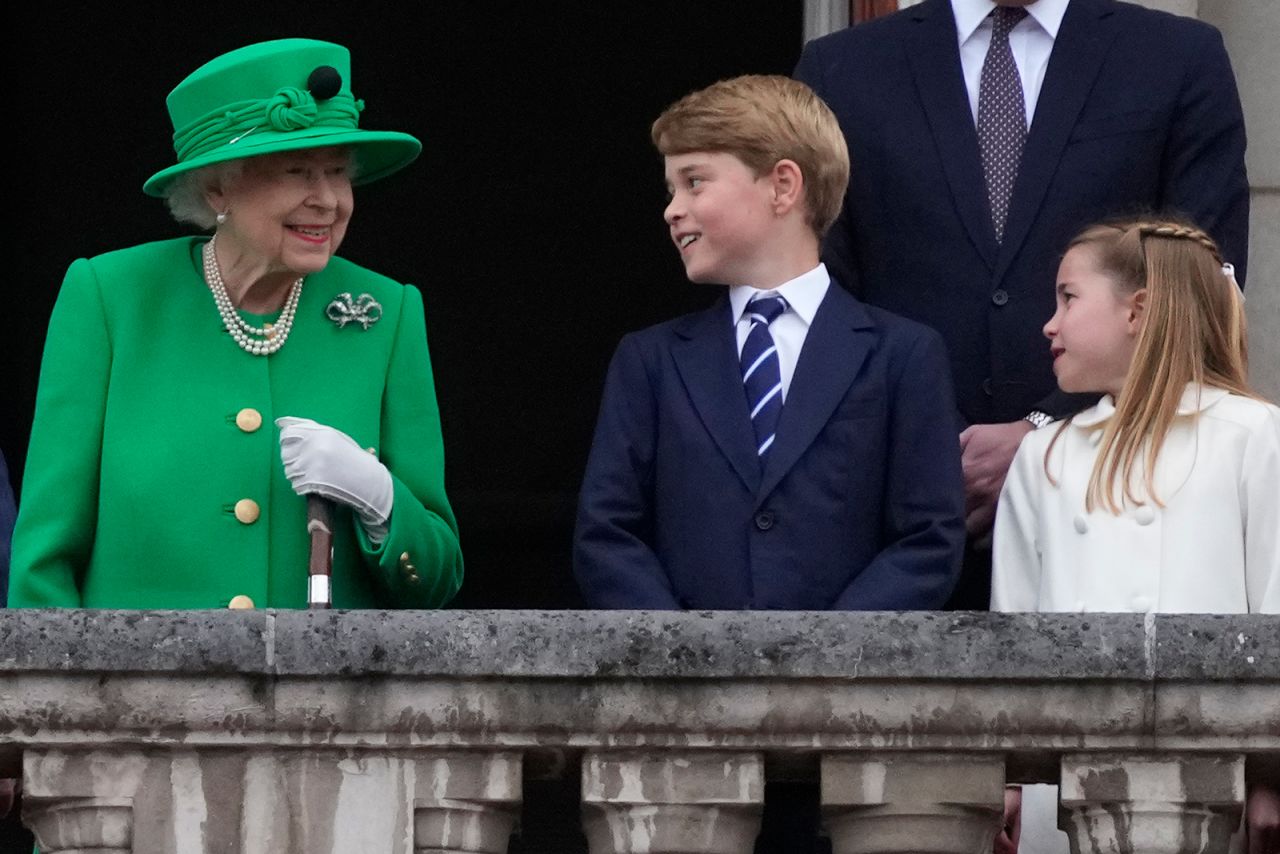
1214 547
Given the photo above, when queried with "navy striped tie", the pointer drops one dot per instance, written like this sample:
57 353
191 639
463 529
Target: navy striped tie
761 373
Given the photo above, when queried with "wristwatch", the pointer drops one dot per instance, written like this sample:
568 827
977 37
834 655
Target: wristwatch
1038 419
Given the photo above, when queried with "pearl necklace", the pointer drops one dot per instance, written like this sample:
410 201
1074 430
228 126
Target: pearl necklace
260 341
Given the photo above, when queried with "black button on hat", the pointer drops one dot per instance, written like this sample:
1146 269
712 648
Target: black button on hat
324 82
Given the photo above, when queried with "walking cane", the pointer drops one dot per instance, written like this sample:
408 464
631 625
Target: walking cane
320 566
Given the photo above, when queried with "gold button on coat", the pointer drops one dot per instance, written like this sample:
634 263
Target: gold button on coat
247 511
248 419
240 602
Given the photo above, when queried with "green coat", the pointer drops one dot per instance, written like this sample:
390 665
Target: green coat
137 460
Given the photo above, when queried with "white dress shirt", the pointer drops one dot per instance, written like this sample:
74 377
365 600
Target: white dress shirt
803 294
1031 42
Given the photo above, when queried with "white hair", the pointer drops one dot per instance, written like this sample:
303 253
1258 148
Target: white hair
187 197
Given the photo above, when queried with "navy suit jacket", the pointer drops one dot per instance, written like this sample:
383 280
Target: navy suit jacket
1138 110
859 504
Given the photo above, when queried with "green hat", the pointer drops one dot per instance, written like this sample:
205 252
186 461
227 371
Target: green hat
283 95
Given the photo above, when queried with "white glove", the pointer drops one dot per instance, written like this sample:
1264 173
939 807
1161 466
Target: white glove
321 460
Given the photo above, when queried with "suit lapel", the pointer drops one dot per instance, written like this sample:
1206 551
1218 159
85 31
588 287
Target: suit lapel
706 356
1083 39
835 348
934 53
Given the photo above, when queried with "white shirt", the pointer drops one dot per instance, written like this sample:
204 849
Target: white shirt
1030 42
1213 548
803 294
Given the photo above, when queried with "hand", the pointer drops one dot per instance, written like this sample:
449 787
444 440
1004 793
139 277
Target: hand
986 450
1011 828
1262 819
321 460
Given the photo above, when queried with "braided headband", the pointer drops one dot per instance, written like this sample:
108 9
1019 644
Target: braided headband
1186 232
1180 232
289 109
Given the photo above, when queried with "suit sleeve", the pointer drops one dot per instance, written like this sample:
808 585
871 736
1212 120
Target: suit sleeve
613 556
923 528
1016 563
839 251
54 534
1203 171
1261 501
1061 405
420 561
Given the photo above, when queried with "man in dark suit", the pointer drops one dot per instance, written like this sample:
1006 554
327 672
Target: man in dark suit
779 450
982 137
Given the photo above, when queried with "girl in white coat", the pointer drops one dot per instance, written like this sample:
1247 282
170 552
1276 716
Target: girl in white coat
1165 496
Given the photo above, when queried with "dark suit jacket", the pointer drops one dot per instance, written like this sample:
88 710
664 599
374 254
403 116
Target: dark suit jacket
1138 111
859 504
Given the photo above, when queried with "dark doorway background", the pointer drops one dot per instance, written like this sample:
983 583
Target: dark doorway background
532 222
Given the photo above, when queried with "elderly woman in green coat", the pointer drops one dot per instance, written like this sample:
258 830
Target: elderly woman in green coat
193 391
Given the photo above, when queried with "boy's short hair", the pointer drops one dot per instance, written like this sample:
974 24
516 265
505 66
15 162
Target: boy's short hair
762 119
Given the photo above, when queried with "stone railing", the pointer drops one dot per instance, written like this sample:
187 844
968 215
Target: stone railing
409 732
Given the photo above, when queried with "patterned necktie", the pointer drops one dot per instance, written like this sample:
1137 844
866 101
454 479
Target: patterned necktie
761 374
1002 116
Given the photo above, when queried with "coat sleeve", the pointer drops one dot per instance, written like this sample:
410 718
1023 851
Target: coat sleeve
1203 171
1016 563
420 561
53 538
1260 498
613 556
923 529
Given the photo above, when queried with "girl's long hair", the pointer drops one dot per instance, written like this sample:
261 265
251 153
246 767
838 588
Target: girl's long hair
1193 332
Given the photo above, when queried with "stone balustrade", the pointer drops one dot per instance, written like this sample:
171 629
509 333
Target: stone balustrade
417 732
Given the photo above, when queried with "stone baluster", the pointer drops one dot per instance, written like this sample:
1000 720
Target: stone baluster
887 803
668 802
81 800
466 802
1151 803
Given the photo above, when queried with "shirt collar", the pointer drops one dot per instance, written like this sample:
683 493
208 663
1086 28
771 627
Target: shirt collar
803 294
1195 398
970 14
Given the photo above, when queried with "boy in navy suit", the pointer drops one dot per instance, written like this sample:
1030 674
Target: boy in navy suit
789 447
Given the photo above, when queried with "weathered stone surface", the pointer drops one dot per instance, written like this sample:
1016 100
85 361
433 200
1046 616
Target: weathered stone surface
160 801
630 644
912 803
75 641
638 644
1217 647
1151 803
466 802
672 803
767 681
265 723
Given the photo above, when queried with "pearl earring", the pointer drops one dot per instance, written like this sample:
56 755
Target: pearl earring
221 217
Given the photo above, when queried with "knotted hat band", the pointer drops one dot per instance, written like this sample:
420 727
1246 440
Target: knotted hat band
289 109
